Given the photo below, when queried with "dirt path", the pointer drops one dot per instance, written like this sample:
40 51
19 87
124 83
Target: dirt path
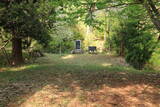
79 81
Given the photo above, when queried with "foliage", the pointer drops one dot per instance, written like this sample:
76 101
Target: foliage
139 48
22 20
25 20
155 59
38 20
133 39
63 39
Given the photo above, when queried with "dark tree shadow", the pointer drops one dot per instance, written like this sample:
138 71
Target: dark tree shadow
15 85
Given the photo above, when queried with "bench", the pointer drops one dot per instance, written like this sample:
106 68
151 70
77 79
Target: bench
92 49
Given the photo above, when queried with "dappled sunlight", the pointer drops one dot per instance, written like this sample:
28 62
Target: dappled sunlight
68 57
79 53
82 81
130 95
20 68
103 60
106 64
42 98
49 96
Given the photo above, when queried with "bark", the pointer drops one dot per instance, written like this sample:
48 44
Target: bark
17 57
122 49
153 13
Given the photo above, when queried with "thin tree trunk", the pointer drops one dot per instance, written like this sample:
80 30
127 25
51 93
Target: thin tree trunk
17 57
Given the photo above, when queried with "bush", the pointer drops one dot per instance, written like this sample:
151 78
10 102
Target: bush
64 46
137 44
132 38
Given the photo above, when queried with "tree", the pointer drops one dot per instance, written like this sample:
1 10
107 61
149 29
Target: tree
22 20
134 33
153 11
151 7
62 39
139 46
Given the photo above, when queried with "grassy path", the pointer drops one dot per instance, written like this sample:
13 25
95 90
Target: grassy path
79 81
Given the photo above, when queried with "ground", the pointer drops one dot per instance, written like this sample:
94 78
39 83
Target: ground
79 81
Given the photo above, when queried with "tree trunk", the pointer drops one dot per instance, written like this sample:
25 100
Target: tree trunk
122 49
153 13
17 57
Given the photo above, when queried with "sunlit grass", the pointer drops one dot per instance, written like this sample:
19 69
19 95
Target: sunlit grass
61 80
106 64
20 68
68 57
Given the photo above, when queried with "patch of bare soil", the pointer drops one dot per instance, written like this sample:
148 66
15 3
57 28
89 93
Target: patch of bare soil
66 86
9 92
50 96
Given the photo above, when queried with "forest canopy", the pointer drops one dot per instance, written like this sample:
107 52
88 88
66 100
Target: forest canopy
38 20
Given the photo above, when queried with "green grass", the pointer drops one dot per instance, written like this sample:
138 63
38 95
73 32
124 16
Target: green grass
76 64
89 72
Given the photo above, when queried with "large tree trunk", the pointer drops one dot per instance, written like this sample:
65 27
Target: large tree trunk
17 57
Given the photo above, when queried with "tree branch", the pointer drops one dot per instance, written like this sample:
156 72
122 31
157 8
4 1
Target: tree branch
123 4
4 44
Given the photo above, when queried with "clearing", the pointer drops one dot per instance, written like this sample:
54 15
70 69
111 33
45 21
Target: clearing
79 81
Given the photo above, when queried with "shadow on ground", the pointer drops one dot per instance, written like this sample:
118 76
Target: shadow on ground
69 85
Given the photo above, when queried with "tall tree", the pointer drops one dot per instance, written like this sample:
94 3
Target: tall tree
22 20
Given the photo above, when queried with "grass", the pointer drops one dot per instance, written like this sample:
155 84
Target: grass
78 81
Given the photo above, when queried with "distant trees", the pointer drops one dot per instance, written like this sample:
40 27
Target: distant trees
62 39
35 18
134 38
